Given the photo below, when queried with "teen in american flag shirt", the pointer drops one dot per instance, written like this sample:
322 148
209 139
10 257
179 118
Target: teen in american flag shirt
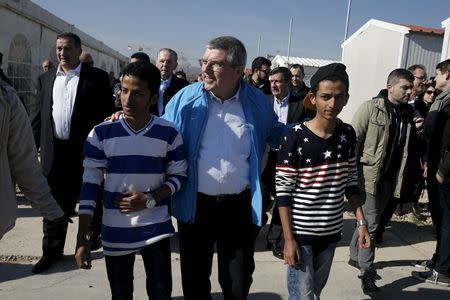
316 168
313 175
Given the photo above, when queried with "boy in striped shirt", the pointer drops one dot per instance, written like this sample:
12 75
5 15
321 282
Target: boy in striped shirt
140 159
316 167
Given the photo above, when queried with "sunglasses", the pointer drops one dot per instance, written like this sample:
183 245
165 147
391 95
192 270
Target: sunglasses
430 92
422 78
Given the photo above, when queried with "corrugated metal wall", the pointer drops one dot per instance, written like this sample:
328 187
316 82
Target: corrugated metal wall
423 49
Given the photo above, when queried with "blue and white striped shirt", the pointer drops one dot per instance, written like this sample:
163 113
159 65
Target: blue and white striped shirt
129 160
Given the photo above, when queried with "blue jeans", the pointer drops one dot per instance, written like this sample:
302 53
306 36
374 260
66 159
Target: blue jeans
443 264
158 270
307 282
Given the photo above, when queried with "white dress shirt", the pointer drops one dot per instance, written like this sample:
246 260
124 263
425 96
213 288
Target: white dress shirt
64 94
281 108
223 161
162 88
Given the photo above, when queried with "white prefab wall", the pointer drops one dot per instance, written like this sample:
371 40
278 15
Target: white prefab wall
369 58
446 44
27 37
40 29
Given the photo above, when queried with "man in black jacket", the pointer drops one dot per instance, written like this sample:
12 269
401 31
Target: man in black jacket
167 62
260 73
73 99
298 88
290 110
439 118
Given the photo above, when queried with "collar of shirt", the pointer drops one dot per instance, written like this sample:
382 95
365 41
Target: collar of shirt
74 72
282 101
166 83
235 97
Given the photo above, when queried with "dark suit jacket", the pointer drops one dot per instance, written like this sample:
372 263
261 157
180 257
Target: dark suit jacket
93 103
302 92
176 84
296 111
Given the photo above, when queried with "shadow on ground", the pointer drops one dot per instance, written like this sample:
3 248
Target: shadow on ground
395 290
252 296
17 270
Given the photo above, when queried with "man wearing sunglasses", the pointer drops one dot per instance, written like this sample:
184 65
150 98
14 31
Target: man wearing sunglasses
420 77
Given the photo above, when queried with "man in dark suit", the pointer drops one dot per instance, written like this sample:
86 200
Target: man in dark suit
167 61
290 110
298 87
72 101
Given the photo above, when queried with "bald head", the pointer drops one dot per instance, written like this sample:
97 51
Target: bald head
86 58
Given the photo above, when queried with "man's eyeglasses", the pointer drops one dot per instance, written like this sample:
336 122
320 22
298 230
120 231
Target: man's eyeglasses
422 78
265 70
215 65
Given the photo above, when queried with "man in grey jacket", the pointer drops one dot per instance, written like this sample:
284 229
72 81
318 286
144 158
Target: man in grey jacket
383 129
19 163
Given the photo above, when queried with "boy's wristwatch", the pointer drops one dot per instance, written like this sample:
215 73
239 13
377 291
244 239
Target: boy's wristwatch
151 202
361 222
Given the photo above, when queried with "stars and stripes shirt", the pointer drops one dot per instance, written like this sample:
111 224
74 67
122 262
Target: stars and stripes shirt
129 160
312 176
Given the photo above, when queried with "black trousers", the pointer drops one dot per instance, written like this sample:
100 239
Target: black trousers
275 232
158 270
435 209
227 223
64 180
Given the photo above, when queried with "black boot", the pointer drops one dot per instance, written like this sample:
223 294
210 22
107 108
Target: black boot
52 244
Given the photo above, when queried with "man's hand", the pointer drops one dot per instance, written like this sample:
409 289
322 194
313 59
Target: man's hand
83 257
418 121
364 240
132 201
114 117
291 253
439 178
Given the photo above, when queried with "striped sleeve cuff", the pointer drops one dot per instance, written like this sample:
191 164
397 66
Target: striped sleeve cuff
175 182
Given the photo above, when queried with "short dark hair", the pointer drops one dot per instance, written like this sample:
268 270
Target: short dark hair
235 49
141 56
298 66
70 35
287 75
147 72
443 66
260 61
398 74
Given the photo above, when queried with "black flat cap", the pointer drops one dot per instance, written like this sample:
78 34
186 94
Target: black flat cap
331 71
